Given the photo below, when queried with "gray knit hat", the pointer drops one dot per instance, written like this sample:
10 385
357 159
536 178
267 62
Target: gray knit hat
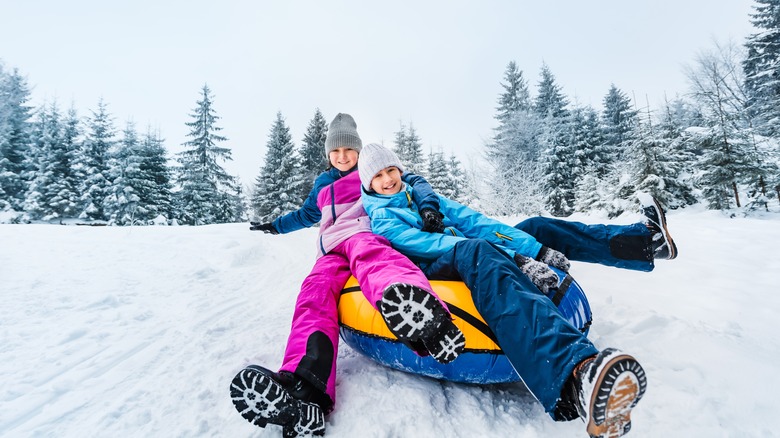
372 160
342 133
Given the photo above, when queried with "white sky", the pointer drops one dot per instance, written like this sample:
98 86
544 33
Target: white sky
437 64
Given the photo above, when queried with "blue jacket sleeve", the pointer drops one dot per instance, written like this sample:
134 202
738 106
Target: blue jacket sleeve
409 240
476 225
422 193
309 213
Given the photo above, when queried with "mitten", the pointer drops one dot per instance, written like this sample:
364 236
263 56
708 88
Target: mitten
267 228
432 220
553 258
540 274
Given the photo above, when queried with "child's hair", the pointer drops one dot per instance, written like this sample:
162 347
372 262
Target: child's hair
372 160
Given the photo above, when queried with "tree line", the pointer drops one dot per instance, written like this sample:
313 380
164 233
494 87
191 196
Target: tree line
718 145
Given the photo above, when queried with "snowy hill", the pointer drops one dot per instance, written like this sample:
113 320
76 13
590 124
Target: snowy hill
136 332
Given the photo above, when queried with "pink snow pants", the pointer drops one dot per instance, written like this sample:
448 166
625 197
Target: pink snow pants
314 337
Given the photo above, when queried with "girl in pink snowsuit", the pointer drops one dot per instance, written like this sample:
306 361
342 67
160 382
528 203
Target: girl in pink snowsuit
304 389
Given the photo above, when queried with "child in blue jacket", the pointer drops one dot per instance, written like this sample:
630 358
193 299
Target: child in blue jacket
507 271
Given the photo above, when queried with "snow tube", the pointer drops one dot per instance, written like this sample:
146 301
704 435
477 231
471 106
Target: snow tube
482 362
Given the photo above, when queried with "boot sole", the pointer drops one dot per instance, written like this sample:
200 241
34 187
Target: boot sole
414 314
670 246
619 388
261 400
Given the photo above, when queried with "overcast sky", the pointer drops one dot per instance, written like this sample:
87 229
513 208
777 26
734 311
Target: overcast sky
436 64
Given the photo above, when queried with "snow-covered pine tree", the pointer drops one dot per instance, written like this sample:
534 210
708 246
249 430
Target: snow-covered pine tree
558 181
414 150
617 120
278 184
53 193
515 97
458 188
726 142
437 173
312 152
514 151
95 186
154 180
15 127
45 139
64 190
585 142
400 143
123 203
761 67
408 147
550 102
679 159
208 194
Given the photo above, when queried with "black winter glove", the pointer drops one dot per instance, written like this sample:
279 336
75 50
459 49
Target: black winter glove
553 258
267 228
432 220
540 274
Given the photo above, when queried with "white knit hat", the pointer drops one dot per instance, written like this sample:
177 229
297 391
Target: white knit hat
373 158
342 133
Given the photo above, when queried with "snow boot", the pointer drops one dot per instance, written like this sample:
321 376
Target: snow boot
415 316
606 388
655 219
262 396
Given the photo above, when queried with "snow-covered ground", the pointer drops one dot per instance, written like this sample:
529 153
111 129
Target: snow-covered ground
136 332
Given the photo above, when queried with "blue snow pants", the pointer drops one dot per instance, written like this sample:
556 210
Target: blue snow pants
541 345
621 246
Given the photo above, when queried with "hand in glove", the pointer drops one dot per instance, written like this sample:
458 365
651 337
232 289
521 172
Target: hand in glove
553 258
432 220
267 228
540 274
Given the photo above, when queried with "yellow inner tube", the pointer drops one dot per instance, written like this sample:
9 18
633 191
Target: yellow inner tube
356 313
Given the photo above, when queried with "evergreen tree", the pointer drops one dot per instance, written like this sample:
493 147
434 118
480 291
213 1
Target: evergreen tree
618 120
762 67
728 156
15 127
679 158
438 173
122 204
558 179
153 184
312 152
457 189
409 149
96 186
557 161
515 97
514 151
52 193
45 137
208 194
585 142
279 181
550 100
400 142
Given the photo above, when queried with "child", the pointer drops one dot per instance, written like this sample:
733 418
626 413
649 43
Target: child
303 391
501 267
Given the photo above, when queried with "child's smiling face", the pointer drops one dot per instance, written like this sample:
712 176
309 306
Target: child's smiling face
343 158
387 181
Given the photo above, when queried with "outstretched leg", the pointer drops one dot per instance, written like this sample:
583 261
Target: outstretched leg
404 297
